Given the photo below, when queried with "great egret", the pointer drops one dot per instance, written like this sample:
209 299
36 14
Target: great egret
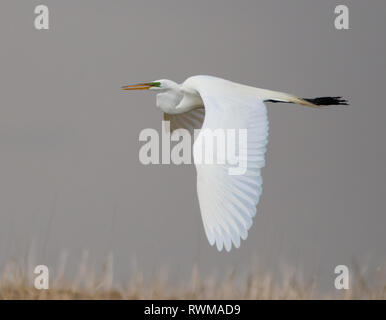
227 202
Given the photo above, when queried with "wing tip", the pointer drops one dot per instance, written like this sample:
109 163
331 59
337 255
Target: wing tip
228 243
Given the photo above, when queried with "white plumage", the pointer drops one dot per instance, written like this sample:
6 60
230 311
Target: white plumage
228 202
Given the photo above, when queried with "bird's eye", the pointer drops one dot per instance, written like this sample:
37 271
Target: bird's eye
155 84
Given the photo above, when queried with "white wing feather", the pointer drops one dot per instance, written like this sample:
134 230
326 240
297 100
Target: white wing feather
228 202
190 120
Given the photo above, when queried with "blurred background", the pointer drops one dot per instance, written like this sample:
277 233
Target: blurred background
70 180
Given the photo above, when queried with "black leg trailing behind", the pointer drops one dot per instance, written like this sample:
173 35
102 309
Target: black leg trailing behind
320 101
328 101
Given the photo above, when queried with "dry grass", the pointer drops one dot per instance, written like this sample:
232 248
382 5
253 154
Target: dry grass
14 284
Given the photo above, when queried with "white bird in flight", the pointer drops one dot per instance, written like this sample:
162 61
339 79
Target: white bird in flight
227 202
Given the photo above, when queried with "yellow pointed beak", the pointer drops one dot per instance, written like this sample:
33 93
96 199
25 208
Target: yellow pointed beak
140 86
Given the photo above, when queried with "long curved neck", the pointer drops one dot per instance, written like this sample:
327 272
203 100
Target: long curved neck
177 99
169 98
191 100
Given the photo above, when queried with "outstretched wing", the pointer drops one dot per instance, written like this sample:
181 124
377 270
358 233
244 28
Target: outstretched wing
228 201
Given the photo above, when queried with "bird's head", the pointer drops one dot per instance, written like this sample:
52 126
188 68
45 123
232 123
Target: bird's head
162 84
168 92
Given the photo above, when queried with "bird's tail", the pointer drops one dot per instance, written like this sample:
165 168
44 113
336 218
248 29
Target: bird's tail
275 96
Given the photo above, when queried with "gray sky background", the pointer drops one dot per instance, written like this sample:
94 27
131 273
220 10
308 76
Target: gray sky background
70 178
